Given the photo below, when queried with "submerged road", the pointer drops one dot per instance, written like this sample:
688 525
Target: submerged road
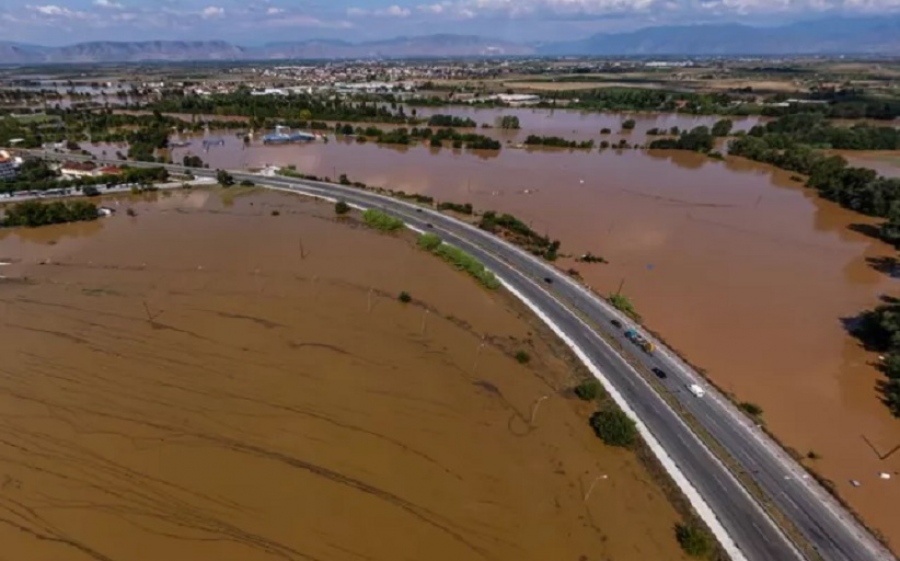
583 316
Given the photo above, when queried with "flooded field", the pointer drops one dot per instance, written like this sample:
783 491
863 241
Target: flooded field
739 268
209 380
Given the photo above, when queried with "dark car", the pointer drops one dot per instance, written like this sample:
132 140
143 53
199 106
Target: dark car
548 280
418 210
660 373
616 323
430 225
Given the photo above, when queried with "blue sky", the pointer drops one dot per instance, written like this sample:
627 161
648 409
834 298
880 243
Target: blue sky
249 22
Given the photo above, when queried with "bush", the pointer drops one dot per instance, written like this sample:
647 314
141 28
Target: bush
341 207
429 241
247 183
459 259
522 357
405 297
588 390
751 409
614 428
623 304
276 213
628 124
381 221
694 540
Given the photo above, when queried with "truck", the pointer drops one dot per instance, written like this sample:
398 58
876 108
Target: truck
639 340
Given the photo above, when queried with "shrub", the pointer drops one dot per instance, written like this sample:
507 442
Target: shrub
459 259
405 297
623 304
751 409
522 357
381 221
276 213
694 540
341 207
588 390
614 428
628 124
429 241
247 183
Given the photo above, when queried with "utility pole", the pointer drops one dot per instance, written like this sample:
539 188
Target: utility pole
621 284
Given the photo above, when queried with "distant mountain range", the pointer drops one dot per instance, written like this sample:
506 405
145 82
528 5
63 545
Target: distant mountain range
869 35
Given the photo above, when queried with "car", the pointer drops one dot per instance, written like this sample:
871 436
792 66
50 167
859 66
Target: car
660 373
548 280
430 225
418 210
616 323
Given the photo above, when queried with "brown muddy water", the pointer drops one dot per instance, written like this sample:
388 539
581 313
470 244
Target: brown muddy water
743 271
209 381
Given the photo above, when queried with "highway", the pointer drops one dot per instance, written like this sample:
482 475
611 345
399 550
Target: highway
581 315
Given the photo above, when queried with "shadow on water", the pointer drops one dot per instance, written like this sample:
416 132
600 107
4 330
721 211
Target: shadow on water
869 230
886 264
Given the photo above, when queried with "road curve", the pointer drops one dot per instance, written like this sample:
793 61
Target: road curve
829 528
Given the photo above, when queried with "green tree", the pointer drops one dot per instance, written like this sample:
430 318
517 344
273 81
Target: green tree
341 208
722 127
695 540
614 428
588 390
224 178
628 124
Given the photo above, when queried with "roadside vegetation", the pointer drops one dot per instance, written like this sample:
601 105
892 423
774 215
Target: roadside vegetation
623 304
382 221
517 232
459 259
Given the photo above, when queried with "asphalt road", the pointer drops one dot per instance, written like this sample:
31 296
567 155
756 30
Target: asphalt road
827 526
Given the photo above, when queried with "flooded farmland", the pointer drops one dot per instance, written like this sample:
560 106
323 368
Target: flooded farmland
742 270
228 378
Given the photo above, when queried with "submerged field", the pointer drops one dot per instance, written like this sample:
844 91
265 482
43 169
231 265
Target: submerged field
209 380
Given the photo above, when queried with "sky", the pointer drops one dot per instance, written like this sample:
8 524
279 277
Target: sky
256 22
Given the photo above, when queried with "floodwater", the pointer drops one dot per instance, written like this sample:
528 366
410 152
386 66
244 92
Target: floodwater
210 381
743 271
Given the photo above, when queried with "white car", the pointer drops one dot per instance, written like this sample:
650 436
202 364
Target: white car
697 390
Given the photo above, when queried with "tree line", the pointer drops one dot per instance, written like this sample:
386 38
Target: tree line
39 176
879 329
32 214
791 143
558 142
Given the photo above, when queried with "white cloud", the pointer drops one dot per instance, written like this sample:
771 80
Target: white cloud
272 11
568 9
212 12
60 12
307 21
393 11
112 4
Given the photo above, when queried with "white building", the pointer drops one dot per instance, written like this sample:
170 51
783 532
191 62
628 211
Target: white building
8 166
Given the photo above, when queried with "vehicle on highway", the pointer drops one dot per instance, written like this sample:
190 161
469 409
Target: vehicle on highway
639 340
548 280
429 225
660 373
696 390
616 323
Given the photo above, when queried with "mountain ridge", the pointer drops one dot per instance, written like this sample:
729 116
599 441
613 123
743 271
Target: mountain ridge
825 36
